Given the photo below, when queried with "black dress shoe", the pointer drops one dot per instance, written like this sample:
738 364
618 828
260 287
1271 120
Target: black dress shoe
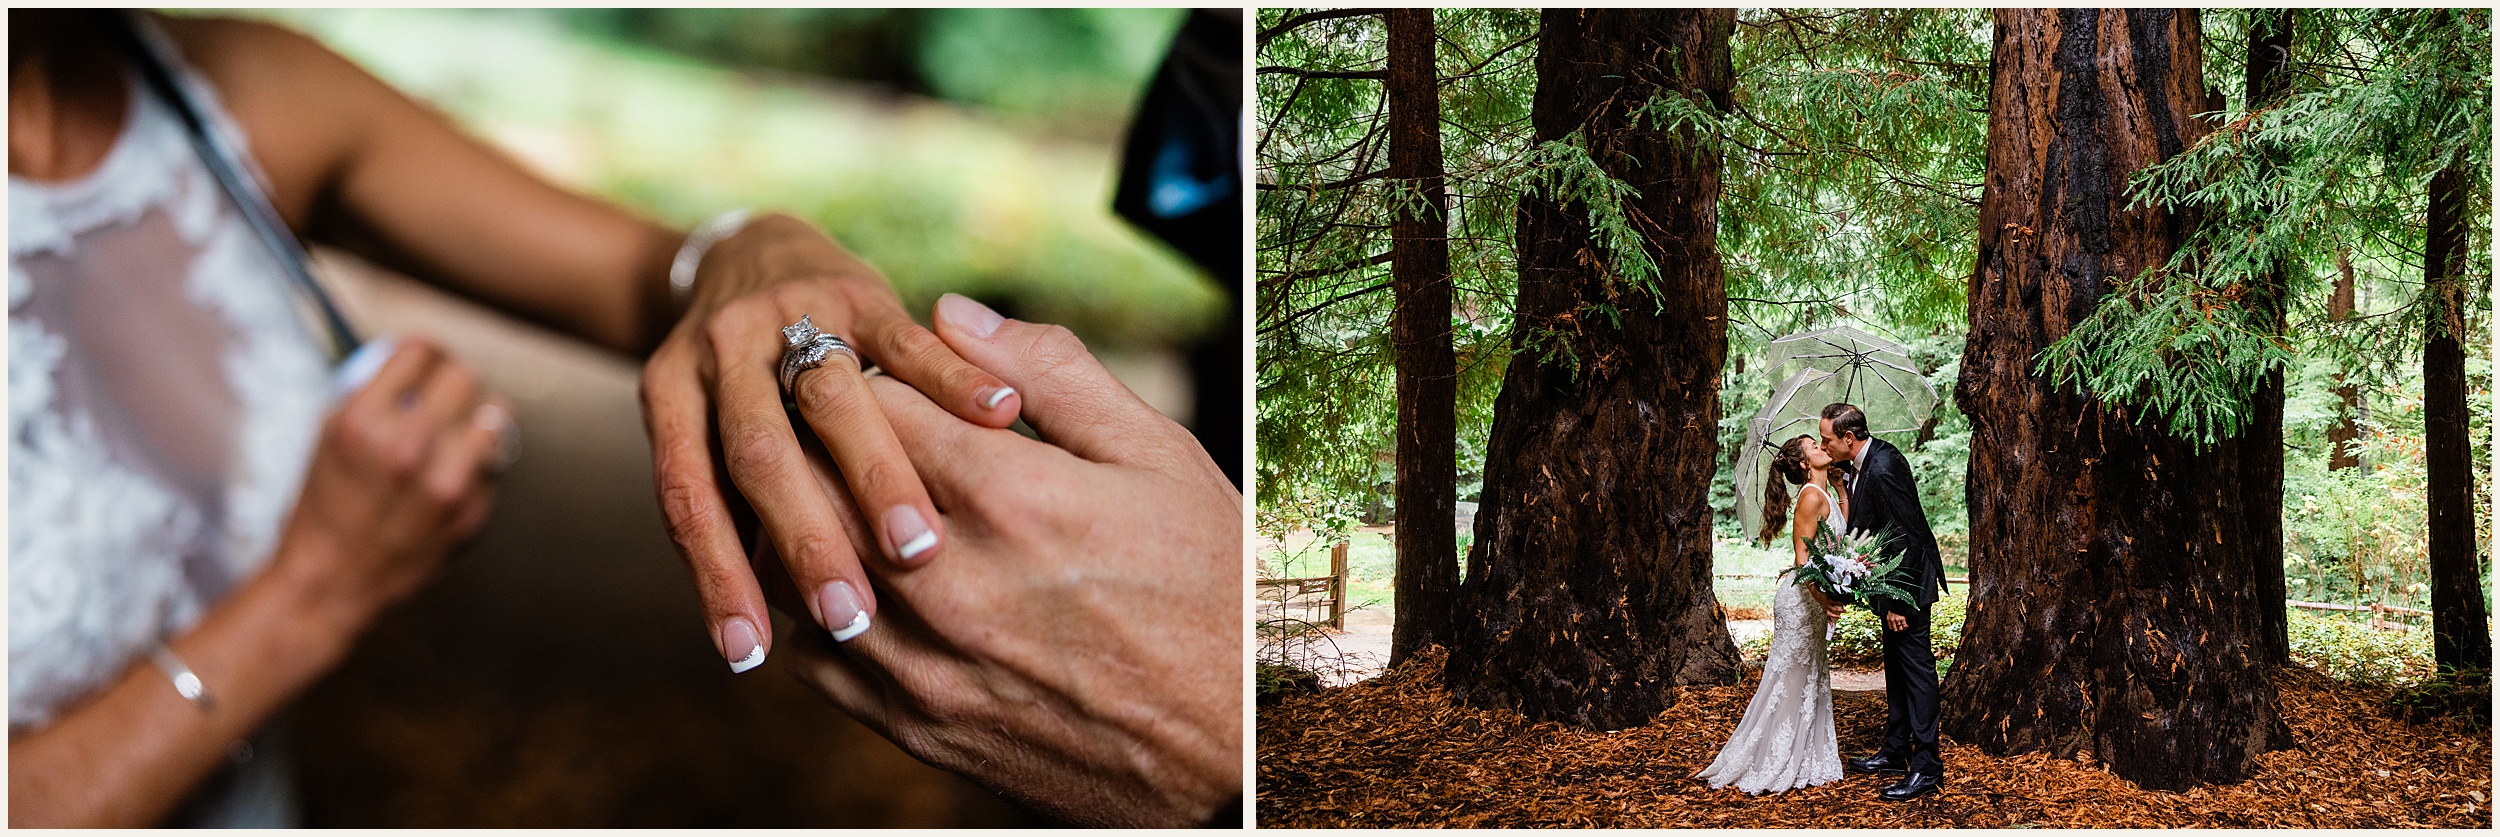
1879 763
1912 786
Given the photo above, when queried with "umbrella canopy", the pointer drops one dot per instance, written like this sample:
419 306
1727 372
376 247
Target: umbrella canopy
1796 408
1872 368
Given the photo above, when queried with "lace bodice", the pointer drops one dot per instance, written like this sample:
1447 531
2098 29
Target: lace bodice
164 395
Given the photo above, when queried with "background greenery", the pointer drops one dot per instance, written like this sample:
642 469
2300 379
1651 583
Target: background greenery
962 150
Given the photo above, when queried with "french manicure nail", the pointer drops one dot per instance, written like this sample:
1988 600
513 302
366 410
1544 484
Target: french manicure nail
910 534
968 315
740 645
990 402
492 417
838 607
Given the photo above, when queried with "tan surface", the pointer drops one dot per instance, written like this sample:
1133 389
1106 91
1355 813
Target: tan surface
560 673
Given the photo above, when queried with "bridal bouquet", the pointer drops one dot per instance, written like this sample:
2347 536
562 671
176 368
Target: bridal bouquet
1846 567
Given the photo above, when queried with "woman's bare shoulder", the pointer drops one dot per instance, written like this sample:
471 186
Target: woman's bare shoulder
1810 501
301 106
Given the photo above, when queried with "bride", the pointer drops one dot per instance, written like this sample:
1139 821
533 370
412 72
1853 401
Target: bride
1786 739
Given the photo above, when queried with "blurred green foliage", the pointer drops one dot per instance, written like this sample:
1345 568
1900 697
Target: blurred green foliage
1073 69
941 197
2342 648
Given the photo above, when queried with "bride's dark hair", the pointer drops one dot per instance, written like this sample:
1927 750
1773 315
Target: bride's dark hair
1789 466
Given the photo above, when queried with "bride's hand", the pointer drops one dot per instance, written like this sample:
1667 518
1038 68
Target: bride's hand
716 377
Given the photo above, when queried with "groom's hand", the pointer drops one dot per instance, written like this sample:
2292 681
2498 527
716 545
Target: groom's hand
1080 648
1896 622
712 403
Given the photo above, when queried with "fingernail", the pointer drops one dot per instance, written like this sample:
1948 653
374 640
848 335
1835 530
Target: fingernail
357 370
911 534
740 645
492 417
968 315
838 607
990 402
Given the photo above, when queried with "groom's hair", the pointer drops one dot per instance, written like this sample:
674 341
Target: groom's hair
1847 421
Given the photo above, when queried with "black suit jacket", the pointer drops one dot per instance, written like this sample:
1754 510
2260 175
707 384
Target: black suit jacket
1884 495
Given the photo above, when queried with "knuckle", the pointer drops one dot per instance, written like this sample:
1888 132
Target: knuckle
907 339
789 295
448 491
1055 346
403 456
815 553
752 449
876 478
683 510
835 403
728 326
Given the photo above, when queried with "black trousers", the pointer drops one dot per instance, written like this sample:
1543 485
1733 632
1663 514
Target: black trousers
1910 692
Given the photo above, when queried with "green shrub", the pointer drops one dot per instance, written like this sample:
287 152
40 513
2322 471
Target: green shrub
2354 652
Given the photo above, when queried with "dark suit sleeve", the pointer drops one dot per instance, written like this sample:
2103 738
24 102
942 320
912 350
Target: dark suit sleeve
1898 493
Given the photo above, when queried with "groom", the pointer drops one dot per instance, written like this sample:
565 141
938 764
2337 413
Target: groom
1882 495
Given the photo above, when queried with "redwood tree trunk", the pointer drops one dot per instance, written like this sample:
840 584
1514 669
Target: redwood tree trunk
2347 426
2261 445
1588 589
2114 605
1419 334
2461 638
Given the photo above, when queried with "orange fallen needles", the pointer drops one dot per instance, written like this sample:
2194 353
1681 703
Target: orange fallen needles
1394 751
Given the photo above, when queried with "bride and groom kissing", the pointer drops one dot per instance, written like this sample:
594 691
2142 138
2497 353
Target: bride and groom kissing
1856 484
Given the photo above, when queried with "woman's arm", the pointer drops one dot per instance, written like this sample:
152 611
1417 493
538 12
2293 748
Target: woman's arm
353 162
127 756
1809 518
396 482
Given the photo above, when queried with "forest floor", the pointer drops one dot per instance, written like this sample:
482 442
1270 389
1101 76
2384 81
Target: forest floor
1395 751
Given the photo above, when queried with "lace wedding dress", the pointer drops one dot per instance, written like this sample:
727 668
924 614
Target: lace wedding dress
164 394
1786 739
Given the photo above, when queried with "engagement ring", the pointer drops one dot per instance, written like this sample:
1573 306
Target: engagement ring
807 350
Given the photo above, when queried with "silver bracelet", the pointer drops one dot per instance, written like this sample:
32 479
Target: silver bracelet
186 684
690 254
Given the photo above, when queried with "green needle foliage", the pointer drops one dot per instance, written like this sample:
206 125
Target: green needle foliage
2382 99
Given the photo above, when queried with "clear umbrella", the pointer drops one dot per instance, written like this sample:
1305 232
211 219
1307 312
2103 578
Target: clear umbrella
1871 366
1892 406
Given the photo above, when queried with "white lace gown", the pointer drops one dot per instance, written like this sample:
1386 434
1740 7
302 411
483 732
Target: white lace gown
1786 739
164 395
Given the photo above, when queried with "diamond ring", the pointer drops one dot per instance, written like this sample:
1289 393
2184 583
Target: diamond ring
807 349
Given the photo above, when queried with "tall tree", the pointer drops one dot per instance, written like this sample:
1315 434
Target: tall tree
2460 626
2114 605
1588 587
1328 202
1419 334
2261 445
2399 117
2346 428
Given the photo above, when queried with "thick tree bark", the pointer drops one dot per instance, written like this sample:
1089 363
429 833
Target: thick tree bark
2261 445
1419 334
2114 606
2347 427
2461 638
1588 588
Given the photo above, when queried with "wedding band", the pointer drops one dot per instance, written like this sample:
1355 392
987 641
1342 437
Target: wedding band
807 349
